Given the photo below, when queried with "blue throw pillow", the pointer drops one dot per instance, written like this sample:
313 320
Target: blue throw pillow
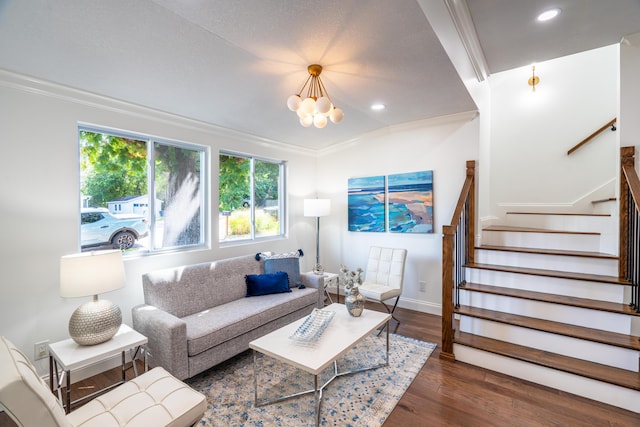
264 284
289 265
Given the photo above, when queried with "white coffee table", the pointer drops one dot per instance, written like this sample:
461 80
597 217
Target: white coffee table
342 334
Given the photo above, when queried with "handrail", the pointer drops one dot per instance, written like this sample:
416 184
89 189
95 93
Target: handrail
457 250
629 241
593 135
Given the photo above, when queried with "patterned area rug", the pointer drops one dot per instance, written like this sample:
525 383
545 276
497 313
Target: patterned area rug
362 399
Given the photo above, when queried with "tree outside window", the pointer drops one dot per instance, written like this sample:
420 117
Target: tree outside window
118 171
251 199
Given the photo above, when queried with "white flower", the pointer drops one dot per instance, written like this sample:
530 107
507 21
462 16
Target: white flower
350 279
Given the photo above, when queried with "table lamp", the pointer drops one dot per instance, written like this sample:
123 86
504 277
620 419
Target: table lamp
317 208
92 273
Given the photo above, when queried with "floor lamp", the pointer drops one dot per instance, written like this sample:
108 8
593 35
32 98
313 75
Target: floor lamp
317 208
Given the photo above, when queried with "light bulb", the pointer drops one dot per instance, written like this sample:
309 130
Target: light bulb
308 105
323 105
319 121
293 102
336 115
307 120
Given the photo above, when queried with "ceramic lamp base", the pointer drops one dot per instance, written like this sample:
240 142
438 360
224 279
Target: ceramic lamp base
95 322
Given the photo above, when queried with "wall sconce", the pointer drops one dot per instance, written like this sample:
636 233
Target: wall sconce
533 80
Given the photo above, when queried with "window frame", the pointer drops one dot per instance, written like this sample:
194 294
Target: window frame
150 141
282 199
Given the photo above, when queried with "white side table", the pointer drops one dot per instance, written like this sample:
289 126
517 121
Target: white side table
330 280
66 356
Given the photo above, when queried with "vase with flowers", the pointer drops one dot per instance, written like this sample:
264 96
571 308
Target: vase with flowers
354 300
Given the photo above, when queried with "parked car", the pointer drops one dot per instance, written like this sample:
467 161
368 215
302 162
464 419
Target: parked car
99 227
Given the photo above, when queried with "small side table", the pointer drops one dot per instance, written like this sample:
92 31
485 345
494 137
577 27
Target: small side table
66 356
330 280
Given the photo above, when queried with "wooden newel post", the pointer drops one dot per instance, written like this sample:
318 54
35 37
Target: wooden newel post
627 159
447 292
471 216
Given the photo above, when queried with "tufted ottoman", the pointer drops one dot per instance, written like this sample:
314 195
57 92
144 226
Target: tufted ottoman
155 398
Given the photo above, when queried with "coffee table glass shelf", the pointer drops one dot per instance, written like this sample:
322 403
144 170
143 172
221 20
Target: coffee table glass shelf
341 334
66 356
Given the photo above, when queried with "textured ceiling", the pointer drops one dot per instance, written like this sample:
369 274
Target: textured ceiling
233 63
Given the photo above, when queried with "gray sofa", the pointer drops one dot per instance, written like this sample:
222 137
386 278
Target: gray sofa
197 316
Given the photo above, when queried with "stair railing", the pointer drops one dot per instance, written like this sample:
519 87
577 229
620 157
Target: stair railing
612 123
457 250
629 239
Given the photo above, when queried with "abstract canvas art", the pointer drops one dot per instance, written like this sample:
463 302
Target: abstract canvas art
366 204
410 199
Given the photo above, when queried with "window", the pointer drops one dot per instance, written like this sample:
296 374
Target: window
251 198
117 173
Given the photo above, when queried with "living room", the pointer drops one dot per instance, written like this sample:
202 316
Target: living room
39 167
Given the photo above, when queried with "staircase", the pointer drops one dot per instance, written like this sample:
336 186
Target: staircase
542 303
542 299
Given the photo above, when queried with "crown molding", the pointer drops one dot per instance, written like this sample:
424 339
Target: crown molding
461 17
40 87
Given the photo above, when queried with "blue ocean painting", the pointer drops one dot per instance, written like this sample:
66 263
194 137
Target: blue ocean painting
366 204
411 202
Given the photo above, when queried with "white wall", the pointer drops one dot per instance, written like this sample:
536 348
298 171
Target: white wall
442 145
630 96
531 132
39 219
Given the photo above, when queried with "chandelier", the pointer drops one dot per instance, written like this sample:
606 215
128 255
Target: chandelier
316 106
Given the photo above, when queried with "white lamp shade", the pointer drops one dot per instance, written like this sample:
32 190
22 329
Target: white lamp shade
317 207
91 273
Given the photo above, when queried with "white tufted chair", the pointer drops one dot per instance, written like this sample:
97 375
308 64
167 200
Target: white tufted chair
384 276
155 398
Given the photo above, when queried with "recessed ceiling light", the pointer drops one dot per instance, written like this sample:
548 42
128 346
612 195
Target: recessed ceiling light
378 107
548 14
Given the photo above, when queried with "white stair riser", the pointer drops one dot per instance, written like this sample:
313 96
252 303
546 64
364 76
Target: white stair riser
591 389
559 344
595 319
551 285
570 242
575 264
560 222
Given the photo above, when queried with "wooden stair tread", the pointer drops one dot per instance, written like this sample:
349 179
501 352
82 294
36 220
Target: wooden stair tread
611 307
510 228
585 254
610 199
551 273
596 371
581 332
558 213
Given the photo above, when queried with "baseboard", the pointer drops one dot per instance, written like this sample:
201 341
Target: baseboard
422 306
408 303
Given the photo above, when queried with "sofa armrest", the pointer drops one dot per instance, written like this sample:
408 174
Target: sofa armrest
167 336
311 280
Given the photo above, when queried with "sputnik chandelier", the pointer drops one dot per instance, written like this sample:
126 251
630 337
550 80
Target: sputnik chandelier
316 106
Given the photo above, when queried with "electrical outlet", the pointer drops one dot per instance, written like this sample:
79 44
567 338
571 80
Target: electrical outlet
423 286
40 350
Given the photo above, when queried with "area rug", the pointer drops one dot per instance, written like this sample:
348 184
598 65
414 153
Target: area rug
362 399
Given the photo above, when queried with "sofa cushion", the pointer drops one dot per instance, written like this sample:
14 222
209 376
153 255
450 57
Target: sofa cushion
289 262
189 289
289 265
265 284
219 324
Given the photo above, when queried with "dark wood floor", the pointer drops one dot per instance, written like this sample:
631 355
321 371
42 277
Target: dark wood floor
457 394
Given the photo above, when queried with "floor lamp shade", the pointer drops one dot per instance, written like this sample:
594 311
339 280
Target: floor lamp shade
92 273
317 208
